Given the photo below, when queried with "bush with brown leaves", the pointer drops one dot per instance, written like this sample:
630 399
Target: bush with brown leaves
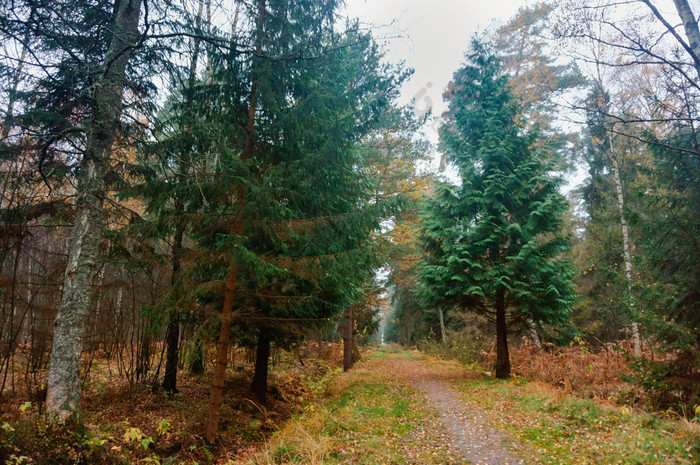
575 369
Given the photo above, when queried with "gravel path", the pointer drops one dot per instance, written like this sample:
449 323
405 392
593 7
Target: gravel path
468 431
466 428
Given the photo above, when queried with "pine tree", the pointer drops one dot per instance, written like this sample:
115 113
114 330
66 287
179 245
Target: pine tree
493 243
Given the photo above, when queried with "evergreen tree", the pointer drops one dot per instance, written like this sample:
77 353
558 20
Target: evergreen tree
493 243
605 310
173 166
289 223
669 221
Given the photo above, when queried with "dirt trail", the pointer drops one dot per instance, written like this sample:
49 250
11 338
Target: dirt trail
466 424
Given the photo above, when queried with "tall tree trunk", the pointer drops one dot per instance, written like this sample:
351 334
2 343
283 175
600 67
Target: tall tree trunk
502 356
217 390
262 359
347 339
63 387
636 340
690 25
172 336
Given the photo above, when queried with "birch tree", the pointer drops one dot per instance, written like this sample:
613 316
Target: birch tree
63 388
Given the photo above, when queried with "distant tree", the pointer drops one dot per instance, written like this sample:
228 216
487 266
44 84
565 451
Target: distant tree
538 74
493 243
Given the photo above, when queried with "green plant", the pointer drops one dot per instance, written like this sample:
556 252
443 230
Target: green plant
163 427
135 435
25 406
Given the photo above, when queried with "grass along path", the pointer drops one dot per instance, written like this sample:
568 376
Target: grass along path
372 415
387 410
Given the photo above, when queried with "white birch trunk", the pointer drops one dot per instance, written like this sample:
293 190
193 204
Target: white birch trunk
626 251
533 333
63 387
690 25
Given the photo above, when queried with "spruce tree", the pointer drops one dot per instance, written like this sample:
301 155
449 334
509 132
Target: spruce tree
289 223
493 243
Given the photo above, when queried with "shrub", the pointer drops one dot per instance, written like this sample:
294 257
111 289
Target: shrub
467 346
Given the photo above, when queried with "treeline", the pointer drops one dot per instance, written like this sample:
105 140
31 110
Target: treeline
179 175
180 179
609 89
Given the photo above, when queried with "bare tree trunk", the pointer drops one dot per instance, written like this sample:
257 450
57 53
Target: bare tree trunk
690 24
63 387
627 255
262 358
442 326
502 356
533 333
347 339
172 336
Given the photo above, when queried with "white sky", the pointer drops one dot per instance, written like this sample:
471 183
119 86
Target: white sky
430 37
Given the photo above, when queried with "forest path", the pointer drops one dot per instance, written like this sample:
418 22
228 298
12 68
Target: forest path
467 426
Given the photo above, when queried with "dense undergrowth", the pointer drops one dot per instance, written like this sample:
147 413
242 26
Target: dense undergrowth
126 423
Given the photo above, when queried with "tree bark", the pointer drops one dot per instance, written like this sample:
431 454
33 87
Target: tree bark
442 326
63 386
636 340
217 390
347 339
172 336
690 24
262 358
533 333
502 356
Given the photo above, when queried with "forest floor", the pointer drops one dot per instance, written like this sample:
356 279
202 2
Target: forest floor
402 407
396 406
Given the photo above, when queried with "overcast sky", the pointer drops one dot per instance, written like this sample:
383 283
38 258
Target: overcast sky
431 37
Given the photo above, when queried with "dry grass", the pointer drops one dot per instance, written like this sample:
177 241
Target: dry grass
370 414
